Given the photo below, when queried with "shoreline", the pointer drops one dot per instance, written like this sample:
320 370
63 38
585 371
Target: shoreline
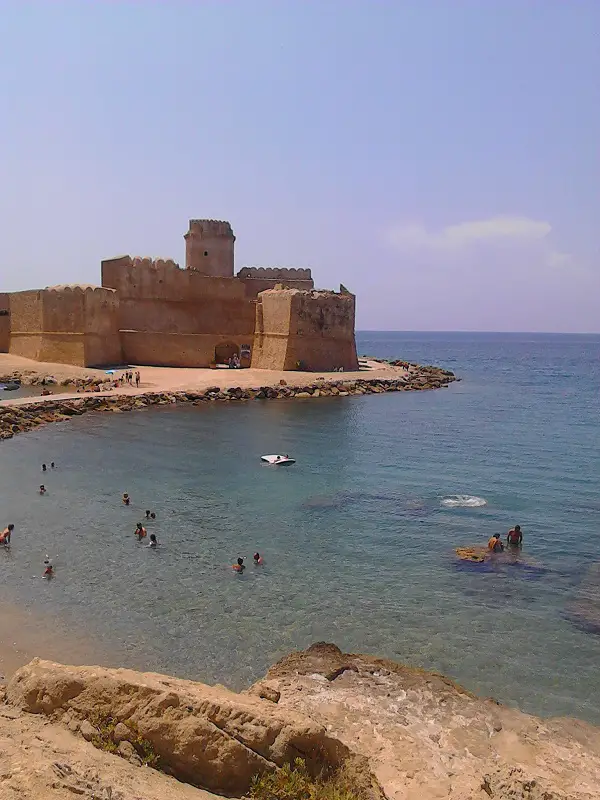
168 386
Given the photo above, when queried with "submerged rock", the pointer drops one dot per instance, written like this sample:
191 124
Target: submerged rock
584 610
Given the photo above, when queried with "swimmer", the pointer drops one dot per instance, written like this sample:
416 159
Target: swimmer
495 545
153 515
6 534
514 537
48 568
257 558
153 540
43 468
42 489
147 514
126 498
52 465
239 566
140 531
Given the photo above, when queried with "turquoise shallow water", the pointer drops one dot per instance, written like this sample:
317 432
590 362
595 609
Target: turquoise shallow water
358 545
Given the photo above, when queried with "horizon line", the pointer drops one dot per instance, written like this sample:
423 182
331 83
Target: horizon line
510 333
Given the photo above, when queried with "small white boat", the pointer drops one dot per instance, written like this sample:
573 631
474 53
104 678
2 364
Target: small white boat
279 460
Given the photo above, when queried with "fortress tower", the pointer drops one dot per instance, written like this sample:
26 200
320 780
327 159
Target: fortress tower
209 248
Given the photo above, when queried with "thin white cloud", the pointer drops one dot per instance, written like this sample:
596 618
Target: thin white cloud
522 232
467 233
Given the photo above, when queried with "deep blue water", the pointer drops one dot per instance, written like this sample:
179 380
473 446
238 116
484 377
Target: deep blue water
358 545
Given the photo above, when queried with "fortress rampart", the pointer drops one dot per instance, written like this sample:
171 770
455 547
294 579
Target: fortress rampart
304 329
66 324
275 273
151 311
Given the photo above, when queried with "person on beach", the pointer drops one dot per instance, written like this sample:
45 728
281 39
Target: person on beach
6 534
153 540
140 531
257 559
495 544
126 499
239 566
42 489
514 537
137 379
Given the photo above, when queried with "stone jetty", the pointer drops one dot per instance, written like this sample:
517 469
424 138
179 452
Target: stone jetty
22 415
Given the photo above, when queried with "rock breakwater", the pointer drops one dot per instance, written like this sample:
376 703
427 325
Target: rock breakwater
21 417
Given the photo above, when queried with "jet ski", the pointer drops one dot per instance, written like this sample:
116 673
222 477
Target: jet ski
280 461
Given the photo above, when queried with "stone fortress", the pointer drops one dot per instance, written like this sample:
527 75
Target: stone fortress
152 312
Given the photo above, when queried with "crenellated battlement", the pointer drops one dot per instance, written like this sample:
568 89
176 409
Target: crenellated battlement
276 273
82 288
146 262
210 227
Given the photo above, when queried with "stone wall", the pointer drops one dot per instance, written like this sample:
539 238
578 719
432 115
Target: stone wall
177 317
311 330
66 325
4 322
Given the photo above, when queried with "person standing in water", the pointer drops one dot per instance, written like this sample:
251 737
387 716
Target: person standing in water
126 499
153 540
6 534
140 531
48 568
43 468
42 489
239 566
514 537
495 544
257 559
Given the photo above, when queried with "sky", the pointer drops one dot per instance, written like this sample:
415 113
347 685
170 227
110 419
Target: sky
439 158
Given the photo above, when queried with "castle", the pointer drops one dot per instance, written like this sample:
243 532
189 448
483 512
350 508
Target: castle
150 311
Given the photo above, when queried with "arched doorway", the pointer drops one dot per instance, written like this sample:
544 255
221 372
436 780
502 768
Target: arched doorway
224 351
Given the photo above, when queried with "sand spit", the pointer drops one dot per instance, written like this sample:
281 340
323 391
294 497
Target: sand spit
24 414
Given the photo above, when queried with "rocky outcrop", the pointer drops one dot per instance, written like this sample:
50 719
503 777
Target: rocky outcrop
19 418
206 736
408 733
427 738
40 760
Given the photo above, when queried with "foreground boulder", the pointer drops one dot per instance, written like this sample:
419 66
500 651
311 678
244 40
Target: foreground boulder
203 735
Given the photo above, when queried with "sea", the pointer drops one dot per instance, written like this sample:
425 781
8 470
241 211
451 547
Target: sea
358 537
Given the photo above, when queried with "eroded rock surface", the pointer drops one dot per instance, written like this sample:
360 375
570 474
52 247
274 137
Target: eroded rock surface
426 738
204 735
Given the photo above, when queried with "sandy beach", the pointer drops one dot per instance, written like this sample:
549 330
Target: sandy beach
174 379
